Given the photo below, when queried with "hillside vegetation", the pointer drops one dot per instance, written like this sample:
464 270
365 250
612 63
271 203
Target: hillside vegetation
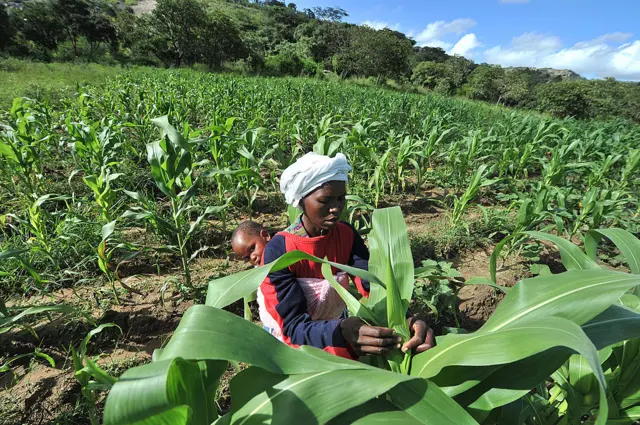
277 39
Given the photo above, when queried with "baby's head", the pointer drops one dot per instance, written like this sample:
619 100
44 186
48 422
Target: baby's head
248 241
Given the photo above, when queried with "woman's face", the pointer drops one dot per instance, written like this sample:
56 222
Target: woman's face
324 206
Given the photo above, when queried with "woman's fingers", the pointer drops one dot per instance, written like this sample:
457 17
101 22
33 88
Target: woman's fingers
377 331
379 342
377 351
422 338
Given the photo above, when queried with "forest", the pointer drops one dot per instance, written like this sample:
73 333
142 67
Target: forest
273 38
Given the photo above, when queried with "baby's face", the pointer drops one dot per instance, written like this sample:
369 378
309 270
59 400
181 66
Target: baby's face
250 247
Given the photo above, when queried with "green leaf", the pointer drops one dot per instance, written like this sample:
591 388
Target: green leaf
229 289
479 280
577 295
427 403
496 347
613 325
7 152
493 261
167 392
376 412
168 130
211 371
303 398
628 245
134 195
29 311
12 253
499 347
391 261
92 333
353 305
572 256
107 230
328 384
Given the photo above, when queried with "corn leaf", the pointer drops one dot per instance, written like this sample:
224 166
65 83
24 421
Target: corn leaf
229 289
577 295
497 347
273 389
628 245
572 256
392 262
375 412
353 305
167 392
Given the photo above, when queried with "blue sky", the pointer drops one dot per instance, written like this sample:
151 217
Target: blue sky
595 38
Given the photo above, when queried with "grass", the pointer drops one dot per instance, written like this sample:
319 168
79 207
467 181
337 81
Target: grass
50 81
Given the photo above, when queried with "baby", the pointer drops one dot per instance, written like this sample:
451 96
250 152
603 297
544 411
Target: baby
248 241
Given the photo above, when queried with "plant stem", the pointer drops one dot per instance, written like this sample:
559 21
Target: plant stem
181 244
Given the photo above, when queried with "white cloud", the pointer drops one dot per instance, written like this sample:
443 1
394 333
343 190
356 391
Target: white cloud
609 55
379 25
466 45
435 33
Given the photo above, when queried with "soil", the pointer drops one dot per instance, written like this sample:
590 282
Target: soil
36 393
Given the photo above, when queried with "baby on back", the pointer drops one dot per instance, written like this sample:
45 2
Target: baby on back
248 241
323 302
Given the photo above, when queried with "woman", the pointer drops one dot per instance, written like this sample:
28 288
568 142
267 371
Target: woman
296 304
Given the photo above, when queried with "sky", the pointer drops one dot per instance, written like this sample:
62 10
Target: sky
595 38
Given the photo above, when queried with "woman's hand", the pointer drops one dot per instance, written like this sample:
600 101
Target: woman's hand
365 339
421 336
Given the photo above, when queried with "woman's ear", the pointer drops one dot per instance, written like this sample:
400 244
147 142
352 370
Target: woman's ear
301 205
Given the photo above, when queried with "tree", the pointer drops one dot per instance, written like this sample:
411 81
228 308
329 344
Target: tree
428 74
428 54
374 53
6 27
75 16
485 83
321 40
332 14
564 99
39 22
458 69
100 28
517 88
177 26
221 41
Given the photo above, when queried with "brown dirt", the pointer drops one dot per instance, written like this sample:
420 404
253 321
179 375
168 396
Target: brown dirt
478 302
39 394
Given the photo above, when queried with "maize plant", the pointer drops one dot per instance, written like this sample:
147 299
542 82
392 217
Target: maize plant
172 167
22 151
87 368
575 394
461 203
466 379
104 195
94 148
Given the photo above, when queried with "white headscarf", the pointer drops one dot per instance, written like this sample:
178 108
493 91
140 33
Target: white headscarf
309 173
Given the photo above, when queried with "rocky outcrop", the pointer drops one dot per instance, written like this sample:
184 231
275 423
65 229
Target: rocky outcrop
545 75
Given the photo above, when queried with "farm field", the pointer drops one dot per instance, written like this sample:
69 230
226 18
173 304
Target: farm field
120 200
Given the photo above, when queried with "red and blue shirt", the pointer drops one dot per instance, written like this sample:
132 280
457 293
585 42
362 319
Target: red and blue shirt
283 299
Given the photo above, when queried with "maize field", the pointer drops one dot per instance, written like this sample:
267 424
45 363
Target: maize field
514 235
